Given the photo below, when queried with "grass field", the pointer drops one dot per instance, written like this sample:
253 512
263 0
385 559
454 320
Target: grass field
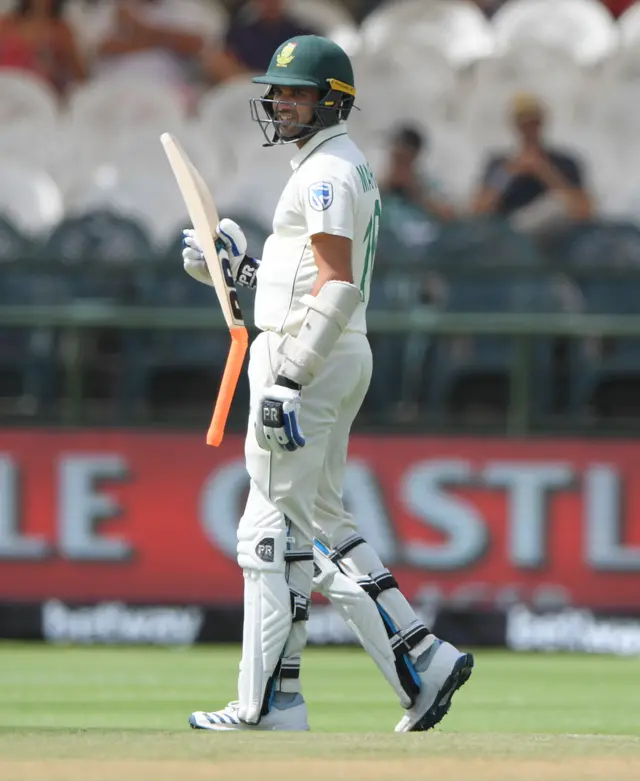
105 714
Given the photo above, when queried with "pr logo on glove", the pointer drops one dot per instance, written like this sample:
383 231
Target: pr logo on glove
278 428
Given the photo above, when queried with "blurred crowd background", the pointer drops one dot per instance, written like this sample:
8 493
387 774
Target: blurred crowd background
504 135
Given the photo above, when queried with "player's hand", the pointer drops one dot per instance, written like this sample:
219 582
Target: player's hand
193 257
233 244
277 427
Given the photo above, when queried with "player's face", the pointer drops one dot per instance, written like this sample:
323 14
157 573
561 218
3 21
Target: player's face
293 107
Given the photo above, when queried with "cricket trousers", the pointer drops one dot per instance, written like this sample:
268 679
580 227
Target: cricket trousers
300 493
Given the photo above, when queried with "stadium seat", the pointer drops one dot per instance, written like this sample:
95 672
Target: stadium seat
225 114
603 260
329 18
549 72
29 197
629 27
90 19
390 91
27 361
149 195
584 28
406 235
110 104
26 97
29 141
482 266
403 28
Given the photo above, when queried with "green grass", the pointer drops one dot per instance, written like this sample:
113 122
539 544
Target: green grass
110 714
156 689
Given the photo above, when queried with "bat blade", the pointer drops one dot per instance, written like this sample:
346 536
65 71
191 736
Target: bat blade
204 218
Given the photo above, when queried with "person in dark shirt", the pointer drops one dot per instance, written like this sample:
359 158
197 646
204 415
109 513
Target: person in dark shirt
403 179
537 187
251 38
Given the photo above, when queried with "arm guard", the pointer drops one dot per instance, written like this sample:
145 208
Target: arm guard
327 317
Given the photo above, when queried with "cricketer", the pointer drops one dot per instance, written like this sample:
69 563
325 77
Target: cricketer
309 371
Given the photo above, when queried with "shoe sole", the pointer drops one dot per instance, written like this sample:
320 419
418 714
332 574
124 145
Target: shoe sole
459 676
244 728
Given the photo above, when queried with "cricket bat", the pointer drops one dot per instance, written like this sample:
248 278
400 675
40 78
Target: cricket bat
204 218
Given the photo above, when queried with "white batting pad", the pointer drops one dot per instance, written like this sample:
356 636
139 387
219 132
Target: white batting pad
360 613
267 615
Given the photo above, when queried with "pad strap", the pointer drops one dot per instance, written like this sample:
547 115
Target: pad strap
345 547
299 606
377 582
407 639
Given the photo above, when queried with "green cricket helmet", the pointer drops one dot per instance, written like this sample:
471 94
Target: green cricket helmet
306 61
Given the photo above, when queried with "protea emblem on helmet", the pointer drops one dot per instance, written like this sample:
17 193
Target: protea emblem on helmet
286 55
310 63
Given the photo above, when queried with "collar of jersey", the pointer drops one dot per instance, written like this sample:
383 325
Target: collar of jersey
320 137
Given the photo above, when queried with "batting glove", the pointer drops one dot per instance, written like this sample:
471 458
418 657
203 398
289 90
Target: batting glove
232 238
277 427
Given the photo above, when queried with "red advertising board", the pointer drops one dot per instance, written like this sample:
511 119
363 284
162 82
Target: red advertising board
150 517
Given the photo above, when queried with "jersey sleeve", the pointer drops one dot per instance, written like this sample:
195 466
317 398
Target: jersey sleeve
329 204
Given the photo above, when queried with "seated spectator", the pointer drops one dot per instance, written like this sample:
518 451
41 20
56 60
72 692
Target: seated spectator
35 38
403 179
538 188
148 39
253 35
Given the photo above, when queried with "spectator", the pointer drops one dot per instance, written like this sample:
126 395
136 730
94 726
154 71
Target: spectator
538 188
253 35
35 38
149 39
403 179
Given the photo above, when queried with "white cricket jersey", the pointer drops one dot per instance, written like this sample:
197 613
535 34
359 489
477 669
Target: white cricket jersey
332 190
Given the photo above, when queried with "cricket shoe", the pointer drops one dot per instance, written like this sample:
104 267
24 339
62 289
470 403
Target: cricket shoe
442 670
291 716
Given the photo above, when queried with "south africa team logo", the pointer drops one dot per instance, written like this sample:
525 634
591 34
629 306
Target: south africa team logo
286 55
321 196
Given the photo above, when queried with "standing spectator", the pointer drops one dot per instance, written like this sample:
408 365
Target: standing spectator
35 38
254 33
403 178
538 188
148 39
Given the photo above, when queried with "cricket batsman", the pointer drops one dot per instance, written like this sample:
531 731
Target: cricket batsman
309 371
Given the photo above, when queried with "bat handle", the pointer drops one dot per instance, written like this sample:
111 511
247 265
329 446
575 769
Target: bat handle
230 377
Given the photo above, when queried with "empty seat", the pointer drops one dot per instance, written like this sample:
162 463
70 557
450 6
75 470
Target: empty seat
604 261
114 103
24 96
27 360
457 28
29 197
582 27
102 252
328 18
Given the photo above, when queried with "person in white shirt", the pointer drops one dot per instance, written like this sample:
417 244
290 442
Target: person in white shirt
309 371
